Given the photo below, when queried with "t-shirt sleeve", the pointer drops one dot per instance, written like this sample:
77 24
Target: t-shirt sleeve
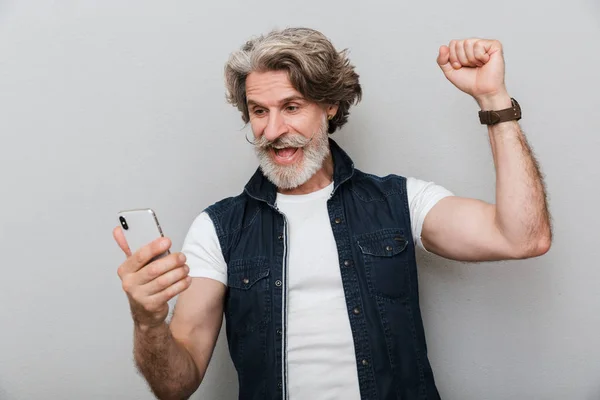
422 196
203 251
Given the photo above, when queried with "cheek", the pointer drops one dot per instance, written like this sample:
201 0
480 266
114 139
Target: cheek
305 126
257 126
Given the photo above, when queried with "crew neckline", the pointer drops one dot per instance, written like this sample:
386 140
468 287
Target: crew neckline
301 198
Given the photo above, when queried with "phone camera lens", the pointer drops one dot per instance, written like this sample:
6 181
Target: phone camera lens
123 223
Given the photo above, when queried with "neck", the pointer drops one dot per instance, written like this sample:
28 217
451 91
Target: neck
318 181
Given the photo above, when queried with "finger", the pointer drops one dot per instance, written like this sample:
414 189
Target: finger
480 52
146 253
121 241
165 280
443 59
160 267
491 46
468 47
462 57
173 290
453 57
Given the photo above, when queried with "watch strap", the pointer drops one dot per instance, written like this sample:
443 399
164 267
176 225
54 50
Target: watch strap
495 117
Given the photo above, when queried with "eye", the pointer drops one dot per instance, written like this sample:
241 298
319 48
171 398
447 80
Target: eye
258 112
292 108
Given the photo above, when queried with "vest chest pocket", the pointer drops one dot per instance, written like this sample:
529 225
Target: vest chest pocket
248 298
386 263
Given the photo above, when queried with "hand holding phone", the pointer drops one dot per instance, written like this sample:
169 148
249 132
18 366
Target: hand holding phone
140 227
150 275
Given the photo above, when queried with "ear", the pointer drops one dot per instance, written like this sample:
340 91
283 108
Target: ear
332 109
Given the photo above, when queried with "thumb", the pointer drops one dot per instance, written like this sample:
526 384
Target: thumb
121 241
443 59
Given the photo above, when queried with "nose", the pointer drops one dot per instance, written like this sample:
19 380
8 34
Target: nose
276 126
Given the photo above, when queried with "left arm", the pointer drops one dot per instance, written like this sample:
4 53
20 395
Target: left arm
518 225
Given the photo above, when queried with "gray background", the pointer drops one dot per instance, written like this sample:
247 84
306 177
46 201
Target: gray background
110 105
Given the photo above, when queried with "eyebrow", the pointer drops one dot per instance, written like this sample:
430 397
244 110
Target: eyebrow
284 101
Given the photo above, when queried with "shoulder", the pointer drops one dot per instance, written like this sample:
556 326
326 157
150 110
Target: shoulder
203 252
425 191
371 186
226 205
233 214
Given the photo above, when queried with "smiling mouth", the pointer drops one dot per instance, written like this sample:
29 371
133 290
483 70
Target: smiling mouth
286 155
286 152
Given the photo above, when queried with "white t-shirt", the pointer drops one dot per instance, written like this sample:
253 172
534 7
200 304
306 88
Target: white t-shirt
320 352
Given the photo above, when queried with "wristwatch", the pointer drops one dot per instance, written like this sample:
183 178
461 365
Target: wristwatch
495 117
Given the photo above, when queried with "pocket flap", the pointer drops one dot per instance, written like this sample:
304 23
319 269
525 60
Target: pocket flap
245 273
382 244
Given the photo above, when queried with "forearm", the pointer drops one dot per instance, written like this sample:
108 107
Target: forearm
167 365
521 207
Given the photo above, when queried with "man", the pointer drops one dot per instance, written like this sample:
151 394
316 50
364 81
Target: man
313 264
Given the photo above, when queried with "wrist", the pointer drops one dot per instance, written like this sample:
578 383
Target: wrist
148 323
149 329
494 101
144 321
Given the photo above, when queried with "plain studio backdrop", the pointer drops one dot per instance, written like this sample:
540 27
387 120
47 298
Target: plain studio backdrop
107 105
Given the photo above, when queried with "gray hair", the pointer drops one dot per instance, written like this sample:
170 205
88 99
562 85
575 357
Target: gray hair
315 68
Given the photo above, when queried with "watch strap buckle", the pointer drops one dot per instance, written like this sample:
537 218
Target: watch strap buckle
493 117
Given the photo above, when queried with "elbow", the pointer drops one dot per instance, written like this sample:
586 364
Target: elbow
542 246
537 246
544 240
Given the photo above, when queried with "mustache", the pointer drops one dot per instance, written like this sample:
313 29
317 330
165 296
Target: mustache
289 140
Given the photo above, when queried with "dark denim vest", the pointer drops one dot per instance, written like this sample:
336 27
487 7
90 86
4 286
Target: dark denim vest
371 224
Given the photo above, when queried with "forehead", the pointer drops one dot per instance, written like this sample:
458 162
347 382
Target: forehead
269 87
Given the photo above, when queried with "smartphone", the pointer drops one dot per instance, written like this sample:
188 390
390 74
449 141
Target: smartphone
140 227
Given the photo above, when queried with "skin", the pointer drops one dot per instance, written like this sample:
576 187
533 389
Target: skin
277 109
517 226
173 357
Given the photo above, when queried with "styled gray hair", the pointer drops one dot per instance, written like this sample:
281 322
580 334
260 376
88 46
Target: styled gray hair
315 68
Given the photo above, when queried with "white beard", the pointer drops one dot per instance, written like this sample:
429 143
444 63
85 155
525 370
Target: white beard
291 176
